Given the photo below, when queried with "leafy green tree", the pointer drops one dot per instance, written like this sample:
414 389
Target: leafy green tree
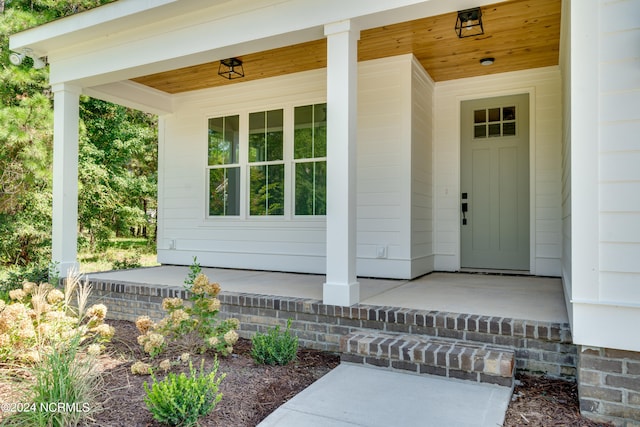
48 10
117 150
25 151
117 173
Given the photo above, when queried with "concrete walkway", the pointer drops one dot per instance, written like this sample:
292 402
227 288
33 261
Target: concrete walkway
354 395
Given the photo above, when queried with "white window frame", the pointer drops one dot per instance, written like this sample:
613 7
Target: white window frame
209 167
289 163
282 162
295 161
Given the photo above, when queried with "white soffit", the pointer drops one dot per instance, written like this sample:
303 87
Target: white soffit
133 95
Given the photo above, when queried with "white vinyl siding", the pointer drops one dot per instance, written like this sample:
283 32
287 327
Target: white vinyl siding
290 242
185 229
619 156
604 280
384 175
422 116
408 173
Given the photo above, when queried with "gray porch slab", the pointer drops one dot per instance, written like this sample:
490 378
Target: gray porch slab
519 297
352 395
249 281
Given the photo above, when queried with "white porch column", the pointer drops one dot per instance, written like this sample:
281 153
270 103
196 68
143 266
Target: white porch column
341 287
66 119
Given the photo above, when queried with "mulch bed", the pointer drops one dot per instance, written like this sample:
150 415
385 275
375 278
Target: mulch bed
251 392
542 401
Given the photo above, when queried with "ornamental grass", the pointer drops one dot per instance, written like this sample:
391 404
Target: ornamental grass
49 342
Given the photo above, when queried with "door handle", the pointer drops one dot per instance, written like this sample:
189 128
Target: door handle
465 208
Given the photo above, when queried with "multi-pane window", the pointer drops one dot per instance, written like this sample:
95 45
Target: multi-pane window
253 173
266 163
223 166
494 122
310 159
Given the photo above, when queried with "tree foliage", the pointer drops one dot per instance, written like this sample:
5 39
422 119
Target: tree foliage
118 150
118 159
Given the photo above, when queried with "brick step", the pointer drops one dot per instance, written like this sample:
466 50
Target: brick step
422 354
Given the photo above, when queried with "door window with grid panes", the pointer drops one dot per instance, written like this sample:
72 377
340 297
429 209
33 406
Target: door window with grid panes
494 122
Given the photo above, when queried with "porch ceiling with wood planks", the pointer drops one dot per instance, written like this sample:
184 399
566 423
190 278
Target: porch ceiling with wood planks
519 34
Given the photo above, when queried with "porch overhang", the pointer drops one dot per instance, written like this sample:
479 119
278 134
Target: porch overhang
124 40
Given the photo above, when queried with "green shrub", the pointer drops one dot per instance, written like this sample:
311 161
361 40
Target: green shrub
17 275
181 399
127 262
274 347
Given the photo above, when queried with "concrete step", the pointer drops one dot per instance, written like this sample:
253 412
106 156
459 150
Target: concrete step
485 363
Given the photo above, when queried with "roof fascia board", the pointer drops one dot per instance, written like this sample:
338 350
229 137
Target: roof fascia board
102 21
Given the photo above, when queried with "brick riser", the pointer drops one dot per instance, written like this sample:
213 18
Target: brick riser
540 347
425 355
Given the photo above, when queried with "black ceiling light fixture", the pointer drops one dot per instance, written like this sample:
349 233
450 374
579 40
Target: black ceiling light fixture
469 23
231 68
488 61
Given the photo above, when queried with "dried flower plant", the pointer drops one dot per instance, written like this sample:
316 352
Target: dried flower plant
194 326
39 317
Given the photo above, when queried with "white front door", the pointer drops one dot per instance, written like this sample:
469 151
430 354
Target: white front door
495 183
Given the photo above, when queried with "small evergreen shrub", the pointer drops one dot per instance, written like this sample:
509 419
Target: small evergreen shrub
181 399
274 347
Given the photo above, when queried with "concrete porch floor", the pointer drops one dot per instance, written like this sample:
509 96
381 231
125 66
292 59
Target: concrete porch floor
518 297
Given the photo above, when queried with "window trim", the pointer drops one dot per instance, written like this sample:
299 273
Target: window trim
209 167
289 163
267 163
295 162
